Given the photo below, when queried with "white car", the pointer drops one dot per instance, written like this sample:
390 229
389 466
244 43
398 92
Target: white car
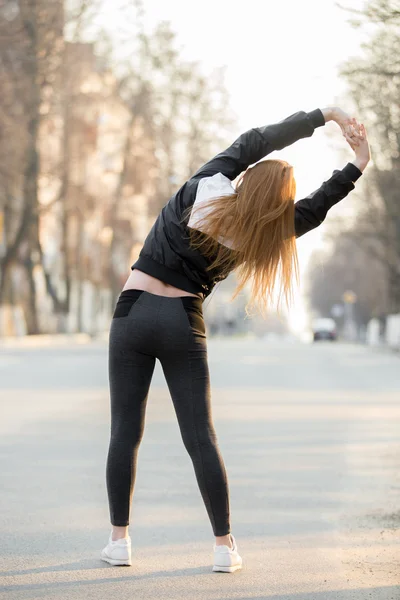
324 329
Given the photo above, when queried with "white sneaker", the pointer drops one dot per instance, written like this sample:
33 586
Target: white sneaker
227 559
118 553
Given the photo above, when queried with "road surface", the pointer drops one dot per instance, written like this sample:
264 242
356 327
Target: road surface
310 438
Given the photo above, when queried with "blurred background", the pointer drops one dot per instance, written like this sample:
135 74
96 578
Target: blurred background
107 108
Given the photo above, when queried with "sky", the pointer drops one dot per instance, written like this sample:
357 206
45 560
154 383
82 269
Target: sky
280 57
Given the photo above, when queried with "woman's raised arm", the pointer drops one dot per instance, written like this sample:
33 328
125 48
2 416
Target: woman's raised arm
312 210
256 143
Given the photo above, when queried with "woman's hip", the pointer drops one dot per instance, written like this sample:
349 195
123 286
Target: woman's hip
157 324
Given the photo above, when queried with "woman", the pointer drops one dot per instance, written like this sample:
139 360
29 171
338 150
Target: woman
207 229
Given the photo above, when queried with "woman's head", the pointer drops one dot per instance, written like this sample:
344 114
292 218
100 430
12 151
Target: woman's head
267 188
259 222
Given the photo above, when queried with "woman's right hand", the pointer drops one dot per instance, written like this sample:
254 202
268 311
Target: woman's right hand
358 142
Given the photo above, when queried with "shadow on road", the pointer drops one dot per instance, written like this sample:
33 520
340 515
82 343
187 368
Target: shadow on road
376 593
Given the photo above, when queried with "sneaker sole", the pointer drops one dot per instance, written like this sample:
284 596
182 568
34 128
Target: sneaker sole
116 563
232 569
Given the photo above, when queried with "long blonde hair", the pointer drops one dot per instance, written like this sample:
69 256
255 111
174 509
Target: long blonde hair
258 220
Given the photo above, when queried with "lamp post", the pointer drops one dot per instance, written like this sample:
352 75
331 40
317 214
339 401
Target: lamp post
350 329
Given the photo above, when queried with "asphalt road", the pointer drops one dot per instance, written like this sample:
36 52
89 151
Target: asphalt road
310 438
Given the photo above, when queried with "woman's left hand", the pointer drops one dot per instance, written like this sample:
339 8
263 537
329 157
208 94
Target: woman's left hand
346 123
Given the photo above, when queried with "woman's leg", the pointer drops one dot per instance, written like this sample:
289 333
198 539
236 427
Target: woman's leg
186 371
130 373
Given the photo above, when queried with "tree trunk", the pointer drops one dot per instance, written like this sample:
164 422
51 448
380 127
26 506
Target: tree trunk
114 279
31 310
29 224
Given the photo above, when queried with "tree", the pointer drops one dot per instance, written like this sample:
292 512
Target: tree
374 84
67 199
172 104
343 266
31 33
375 11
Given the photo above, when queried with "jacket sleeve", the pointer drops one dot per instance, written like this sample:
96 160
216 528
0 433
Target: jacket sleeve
312 210
256 143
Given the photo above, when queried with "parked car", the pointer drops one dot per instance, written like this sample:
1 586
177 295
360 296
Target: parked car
324 329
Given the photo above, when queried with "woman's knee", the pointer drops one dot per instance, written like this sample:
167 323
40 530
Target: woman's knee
200 440
124 434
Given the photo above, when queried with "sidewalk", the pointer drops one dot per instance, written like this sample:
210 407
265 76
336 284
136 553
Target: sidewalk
52 340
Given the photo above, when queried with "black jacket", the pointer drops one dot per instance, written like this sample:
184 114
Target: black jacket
166 253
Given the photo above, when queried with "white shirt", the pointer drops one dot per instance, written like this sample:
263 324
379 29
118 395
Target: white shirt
208 188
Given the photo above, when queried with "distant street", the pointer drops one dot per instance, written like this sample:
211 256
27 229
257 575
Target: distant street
310 438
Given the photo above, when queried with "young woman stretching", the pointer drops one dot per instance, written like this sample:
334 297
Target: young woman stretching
206 230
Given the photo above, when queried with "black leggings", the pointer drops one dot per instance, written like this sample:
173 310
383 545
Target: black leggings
144 327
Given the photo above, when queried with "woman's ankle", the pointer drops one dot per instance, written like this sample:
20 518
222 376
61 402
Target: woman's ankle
119 533
224 540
